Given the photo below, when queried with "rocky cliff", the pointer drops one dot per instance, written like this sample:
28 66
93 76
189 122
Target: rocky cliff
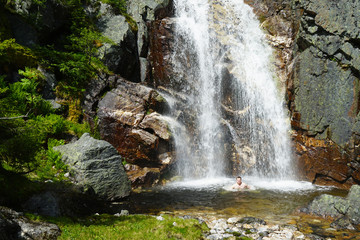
320 62
317 60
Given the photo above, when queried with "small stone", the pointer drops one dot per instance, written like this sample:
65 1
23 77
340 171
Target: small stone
247 226
213 231
124 212
233 220
67 175
298 235
160 218
274 227
175 224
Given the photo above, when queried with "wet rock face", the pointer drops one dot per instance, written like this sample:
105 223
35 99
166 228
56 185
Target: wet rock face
161 46
323 91
317 56
130 119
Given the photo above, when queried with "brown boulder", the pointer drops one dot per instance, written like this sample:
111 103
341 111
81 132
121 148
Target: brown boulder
142 177
130 119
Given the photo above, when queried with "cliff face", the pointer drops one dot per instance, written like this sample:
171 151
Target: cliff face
317 60
322 83
324 91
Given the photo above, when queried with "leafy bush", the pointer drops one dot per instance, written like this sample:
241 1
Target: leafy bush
50 165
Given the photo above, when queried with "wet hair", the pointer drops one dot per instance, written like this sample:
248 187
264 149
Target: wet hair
238 177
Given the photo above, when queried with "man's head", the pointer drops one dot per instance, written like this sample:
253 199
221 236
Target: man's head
238 180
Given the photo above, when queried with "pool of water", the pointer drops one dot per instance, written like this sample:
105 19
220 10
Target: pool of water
274 201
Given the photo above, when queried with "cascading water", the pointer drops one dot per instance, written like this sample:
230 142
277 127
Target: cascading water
233 120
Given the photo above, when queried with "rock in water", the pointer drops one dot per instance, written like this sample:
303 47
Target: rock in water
97 165
346 210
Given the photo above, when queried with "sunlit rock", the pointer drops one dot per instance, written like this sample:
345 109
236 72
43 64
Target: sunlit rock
130 119
97 166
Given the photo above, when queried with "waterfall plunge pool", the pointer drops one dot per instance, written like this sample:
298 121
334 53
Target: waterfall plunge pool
274 201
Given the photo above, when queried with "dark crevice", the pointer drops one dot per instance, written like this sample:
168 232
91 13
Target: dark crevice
302 44
355 42
150 130
319 175
309 13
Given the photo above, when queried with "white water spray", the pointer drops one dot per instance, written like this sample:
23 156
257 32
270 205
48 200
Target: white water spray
222 62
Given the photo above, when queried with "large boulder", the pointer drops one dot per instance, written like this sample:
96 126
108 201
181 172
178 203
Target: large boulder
96 165
130 119
14 225
338 208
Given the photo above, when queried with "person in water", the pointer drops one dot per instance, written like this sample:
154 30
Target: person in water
239 184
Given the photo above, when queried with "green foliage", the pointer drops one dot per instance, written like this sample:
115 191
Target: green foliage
50 165
25 94
118 5
79 129
128 227
16 54
21 140
28 125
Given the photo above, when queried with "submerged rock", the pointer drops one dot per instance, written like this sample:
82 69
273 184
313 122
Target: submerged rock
97 166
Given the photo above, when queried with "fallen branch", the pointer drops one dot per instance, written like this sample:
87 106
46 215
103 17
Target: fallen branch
22 116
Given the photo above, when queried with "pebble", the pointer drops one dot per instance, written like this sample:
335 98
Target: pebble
122 213
230 229
233 220
160 218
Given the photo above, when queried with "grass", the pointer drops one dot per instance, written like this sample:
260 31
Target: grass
128 227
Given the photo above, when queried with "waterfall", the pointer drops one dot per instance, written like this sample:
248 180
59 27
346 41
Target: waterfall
231 119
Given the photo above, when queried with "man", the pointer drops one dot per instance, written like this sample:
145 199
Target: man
239 184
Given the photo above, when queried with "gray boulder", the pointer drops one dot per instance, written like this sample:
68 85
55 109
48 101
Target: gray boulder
345 210
14 225
97 166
